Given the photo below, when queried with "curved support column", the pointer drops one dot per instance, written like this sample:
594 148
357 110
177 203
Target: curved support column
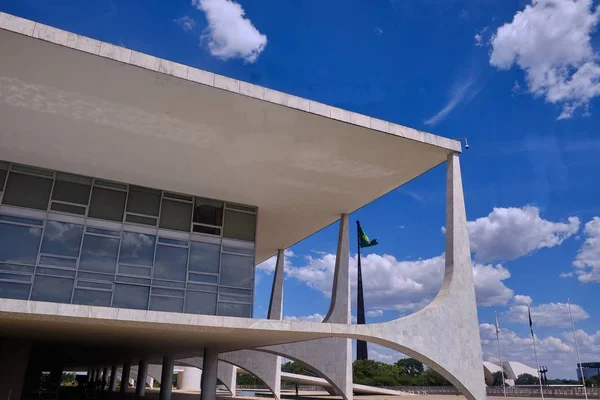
261 365
225 372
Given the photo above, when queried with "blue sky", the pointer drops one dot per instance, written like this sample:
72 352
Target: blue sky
521 81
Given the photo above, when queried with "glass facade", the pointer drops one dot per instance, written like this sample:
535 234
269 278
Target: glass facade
73 239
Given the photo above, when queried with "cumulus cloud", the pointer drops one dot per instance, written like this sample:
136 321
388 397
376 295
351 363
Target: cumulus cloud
310 318
509 233
383 354
186 23
587 262
550 40
548 314
374 313
229 33
521 299
268 266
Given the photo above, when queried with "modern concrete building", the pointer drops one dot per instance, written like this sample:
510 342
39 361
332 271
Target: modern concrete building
137 195
512 370
590 370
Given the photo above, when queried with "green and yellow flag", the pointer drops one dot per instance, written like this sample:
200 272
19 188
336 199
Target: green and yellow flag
364 239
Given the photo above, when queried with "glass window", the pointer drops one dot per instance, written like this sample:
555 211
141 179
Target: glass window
203 278
168 292
99 254
21 220
137 248
207 230
139 219
143 201
170 263
72 189
208 211
16 267
67 208
62 238
232 297
129 296
3 173
235 291
107 204
15 277
19 244
204 257
47 288
92 297
11 290
169 284
235 310
129 279
27 191
236 271
239 225
200 303
175 215
96 277
137 271
171 304
205 288
94 285
58 262
55 272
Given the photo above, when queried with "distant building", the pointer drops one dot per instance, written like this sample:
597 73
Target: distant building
512 369
590 370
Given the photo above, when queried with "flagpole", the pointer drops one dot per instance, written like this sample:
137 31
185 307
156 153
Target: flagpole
361 346
577 347
500 354
537 361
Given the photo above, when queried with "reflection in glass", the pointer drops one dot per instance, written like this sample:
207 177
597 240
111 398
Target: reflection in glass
19 244
57 290
208 211
62 238
239 225
170 263
129 296
200 303
175 215
10 290
234 310
107 204
92 297
170 304
99 254
236 271
204 257
137 248
27 191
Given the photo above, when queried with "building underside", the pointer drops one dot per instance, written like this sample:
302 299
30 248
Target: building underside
138 194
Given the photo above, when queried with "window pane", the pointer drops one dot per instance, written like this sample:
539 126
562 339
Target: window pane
58 262
236 271
138 271
235 291
27 191
169 284
99 254
172 304
17 267
203 278
107 204
19 291
96 277
128 296
235 310
205 288
46 288
94 285
175 215
143 201
3 174
207 230
62 238
204 257
19 244
137 248
239 225
55 272
129 279
168 292
92 297
72 189
138 219
21 220
170 263
200 303
67 208
232 297
208 211
15 277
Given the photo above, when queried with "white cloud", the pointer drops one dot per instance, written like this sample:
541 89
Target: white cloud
510 233
479 37
587 262
229 33
548 314
310 318
268 266
391 284
186 23
550 41
464 91
383 354
374 313
521 299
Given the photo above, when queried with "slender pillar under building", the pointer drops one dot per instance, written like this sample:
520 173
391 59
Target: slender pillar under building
166 378
112 386
98 374
125 377
208 390
140 387
14 357
93 375
104 378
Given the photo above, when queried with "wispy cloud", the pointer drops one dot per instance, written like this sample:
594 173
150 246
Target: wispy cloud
186 23
464 91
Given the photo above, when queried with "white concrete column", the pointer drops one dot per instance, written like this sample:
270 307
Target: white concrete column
227 374
125 377
208 391
140 387
339 308
166 378
104 378
189 379
112 386
276 302
150 381
14 357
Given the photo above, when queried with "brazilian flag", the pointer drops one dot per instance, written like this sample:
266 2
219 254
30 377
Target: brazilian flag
364 239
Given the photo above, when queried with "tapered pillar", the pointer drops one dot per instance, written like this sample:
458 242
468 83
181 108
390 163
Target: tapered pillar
166 378
140 387
104 377
209 374
125 377
276 303
112 386
98 374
